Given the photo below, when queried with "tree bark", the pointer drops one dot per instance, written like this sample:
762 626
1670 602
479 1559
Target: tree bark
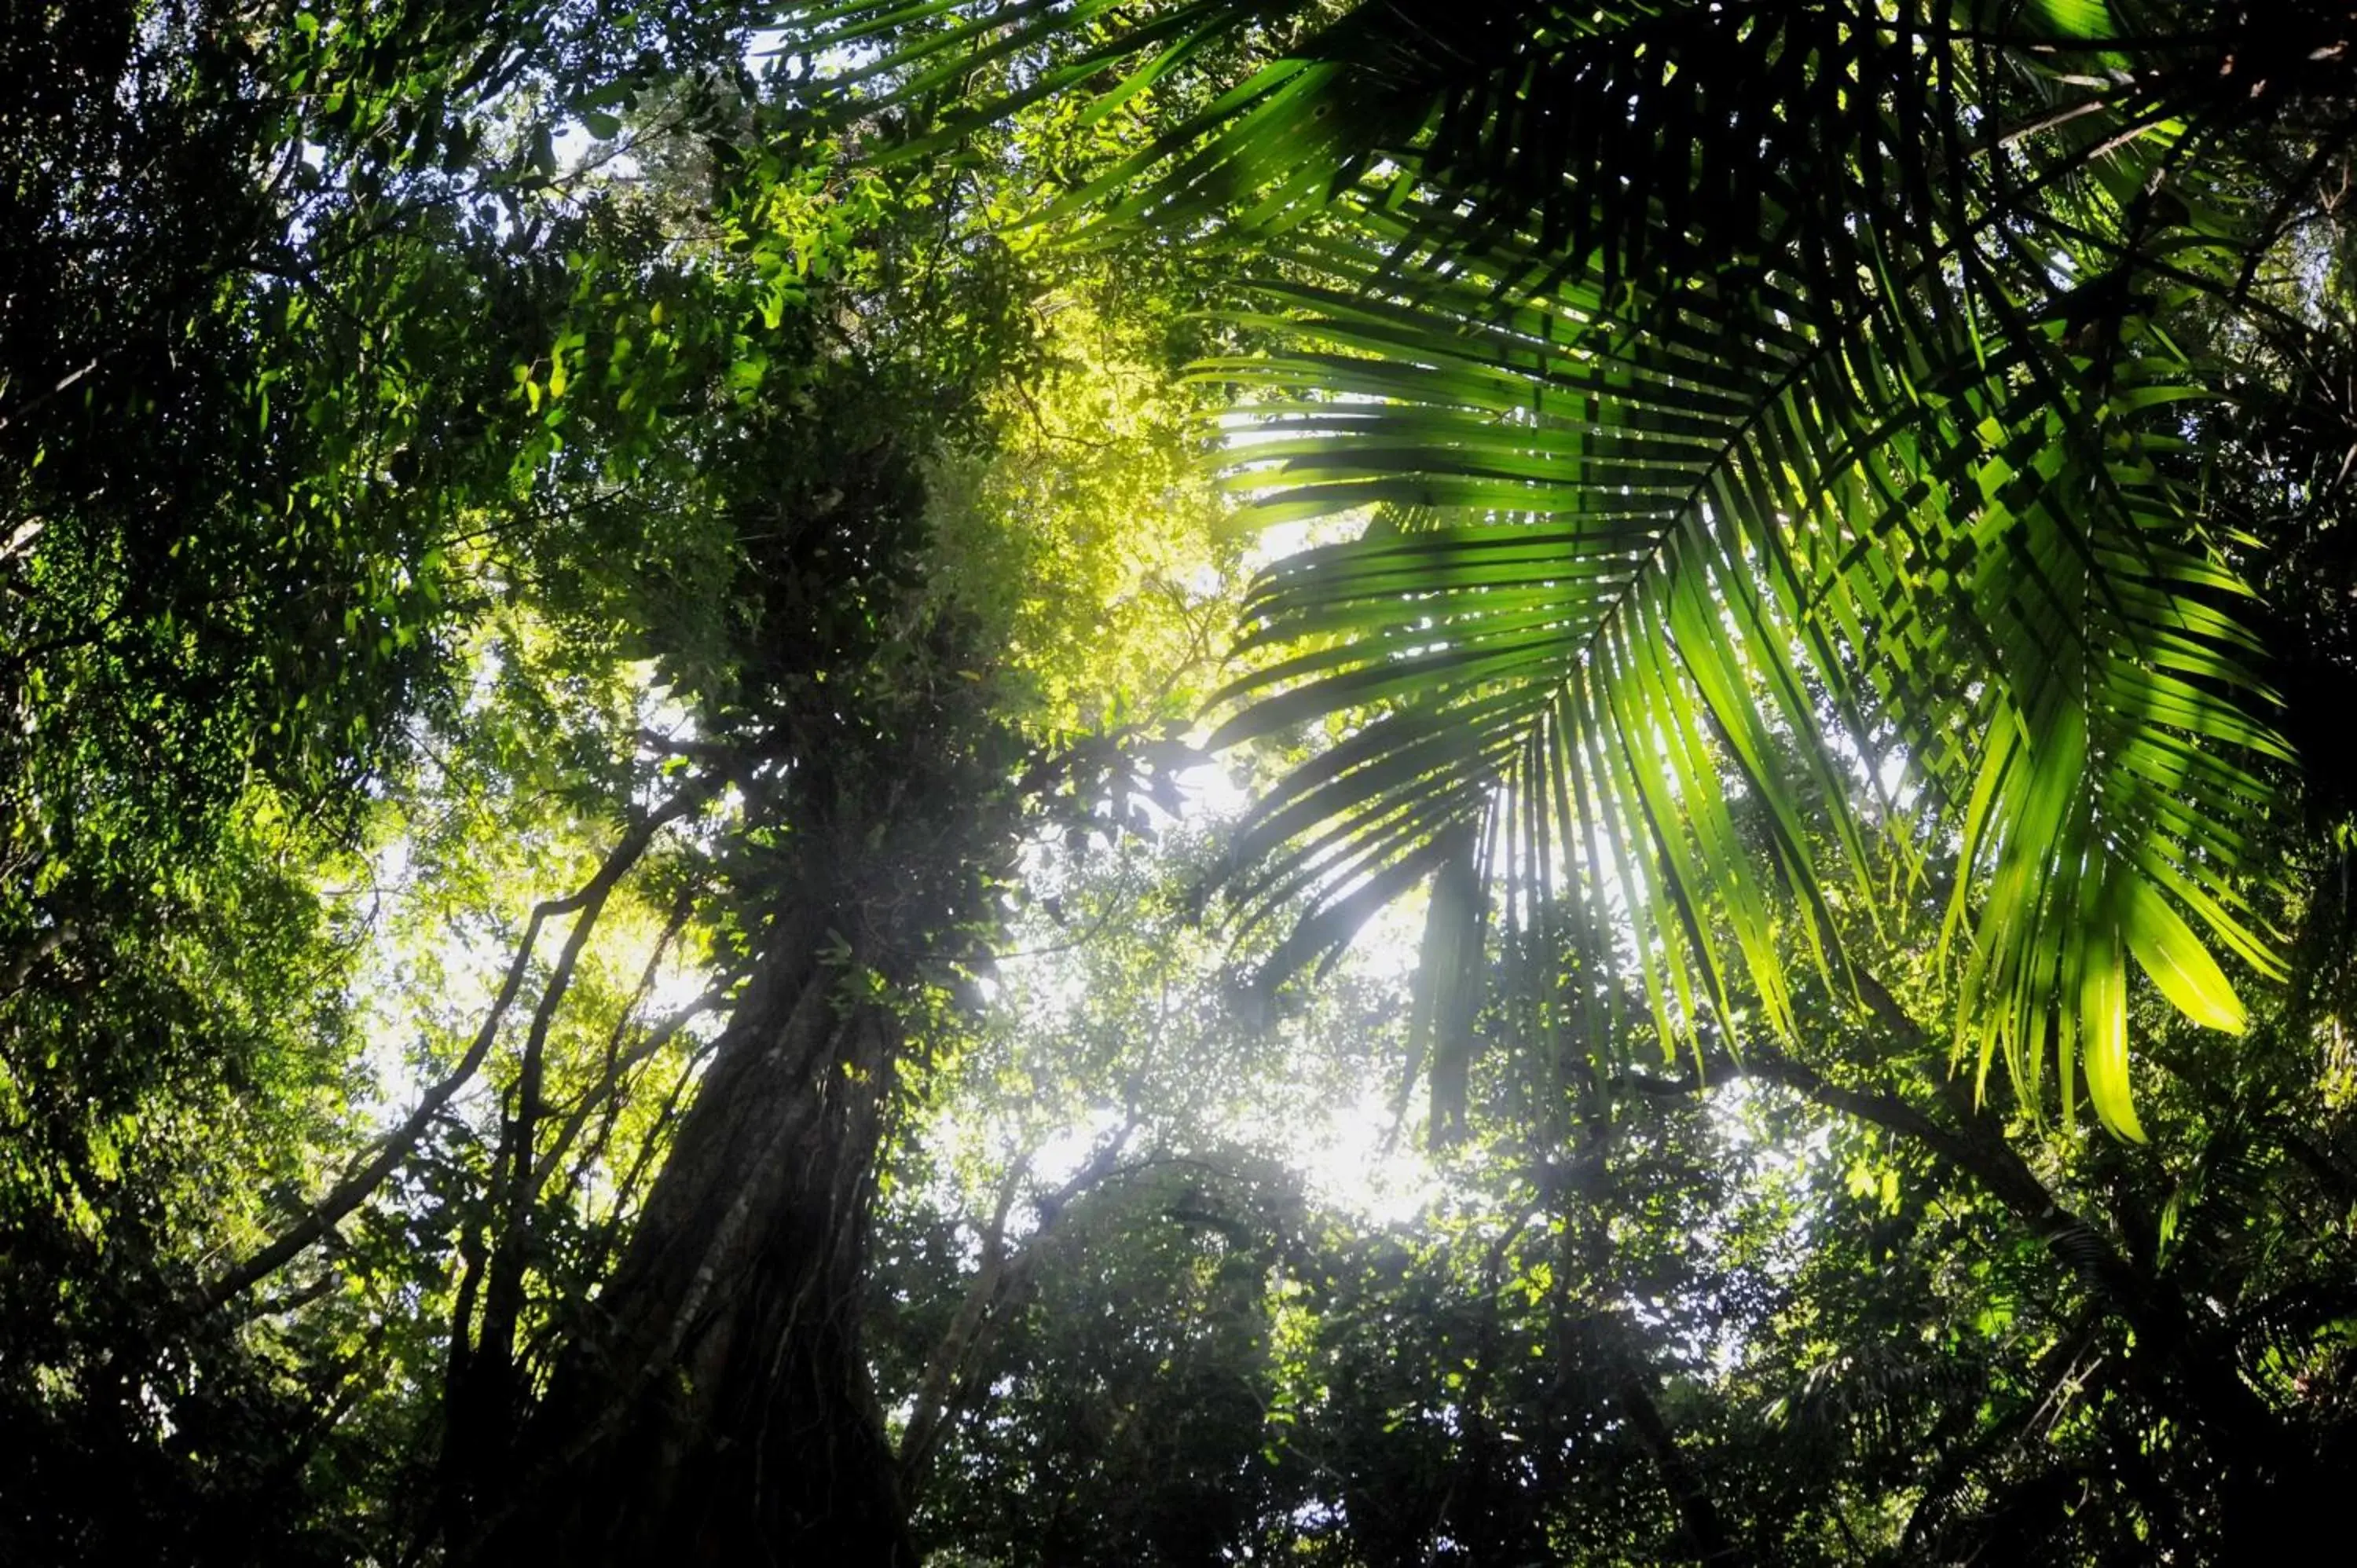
718 1408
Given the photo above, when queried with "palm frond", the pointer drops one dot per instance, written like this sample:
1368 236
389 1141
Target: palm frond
1763 393
1697 549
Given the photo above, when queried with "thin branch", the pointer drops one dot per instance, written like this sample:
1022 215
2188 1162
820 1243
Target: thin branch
355 1190
656 1039
951 1377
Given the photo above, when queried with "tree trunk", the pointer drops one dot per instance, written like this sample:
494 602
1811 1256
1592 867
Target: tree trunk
718 1408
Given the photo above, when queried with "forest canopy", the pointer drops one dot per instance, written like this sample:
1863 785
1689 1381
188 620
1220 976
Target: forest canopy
1176 781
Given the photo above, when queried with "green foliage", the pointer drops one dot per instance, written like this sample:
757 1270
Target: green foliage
1107 622
545 570
1823 432
1861 1332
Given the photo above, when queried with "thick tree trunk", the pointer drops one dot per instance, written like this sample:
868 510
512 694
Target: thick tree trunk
719 1409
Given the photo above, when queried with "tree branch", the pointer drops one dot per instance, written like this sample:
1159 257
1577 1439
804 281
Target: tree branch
948 1383
330 1210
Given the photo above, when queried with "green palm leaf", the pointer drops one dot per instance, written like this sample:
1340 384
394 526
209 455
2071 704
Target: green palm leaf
1759 392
